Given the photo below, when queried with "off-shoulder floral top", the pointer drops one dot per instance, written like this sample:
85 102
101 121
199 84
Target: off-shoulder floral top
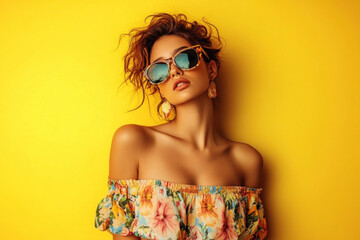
158 209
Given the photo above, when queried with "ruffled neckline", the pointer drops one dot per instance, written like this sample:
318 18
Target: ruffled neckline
186 188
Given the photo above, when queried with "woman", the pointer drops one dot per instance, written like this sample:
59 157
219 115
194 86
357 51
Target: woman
181 179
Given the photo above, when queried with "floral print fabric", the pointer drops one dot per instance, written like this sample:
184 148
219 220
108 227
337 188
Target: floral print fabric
157 209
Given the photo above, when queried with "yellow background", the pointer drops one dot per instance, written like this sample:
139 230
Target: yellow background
289 86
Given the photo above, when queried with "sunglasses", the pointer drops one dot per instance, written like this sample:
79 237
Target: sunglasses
185 59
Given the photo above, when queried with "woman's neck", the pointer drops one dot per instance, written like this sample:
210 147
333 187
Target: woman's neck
195 122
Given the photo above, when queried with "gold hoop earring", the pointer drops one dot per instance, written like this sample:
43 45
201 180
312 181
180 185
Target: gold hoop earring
168 111
212 90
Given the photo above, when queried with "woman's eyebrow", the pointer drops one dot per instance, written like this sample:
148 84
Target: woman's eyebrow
175 51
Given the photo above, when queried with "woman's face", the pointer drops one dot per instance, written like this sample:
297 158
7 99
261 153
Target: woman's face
199 77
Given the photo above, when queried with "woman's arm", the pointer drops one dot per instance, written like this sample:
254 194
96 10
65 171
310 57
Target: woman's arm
249 163
125 152
127 144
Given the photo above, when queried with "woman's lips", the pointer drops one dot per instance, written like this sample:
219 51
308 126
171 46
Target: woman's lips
182 86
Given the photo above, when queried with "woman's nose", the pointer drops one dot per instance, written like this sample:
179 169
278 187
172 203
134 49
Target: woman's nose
174 70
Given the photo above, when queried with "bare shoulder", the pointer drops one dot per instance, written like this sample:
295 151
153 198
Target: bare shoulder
131 133
250 161
128 142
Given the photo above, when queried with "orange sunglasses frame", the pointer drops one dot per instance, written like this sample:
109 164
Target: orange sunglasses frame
199 50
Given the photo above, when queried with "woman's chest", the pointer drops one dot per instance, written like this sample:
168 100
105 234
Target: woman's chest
184 165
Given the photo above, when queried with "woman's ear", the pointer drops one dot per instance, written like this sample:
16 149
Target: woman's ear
212 70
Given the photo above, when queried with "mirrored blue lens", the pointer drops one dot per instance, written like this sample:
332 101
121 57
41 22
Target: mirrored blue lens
187 59
158 72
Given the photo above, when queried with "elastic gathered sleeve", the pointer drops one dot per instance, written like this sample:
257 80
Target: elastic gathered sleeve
115 211
256 225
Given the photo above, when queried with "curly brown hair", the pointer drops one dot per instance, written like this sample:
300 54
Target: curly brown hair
143 38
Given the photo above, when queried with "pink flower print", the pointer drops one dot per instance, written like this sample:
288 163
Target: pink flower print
227 231
163 218
117 185
122 188
125 231
182 210
195 233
